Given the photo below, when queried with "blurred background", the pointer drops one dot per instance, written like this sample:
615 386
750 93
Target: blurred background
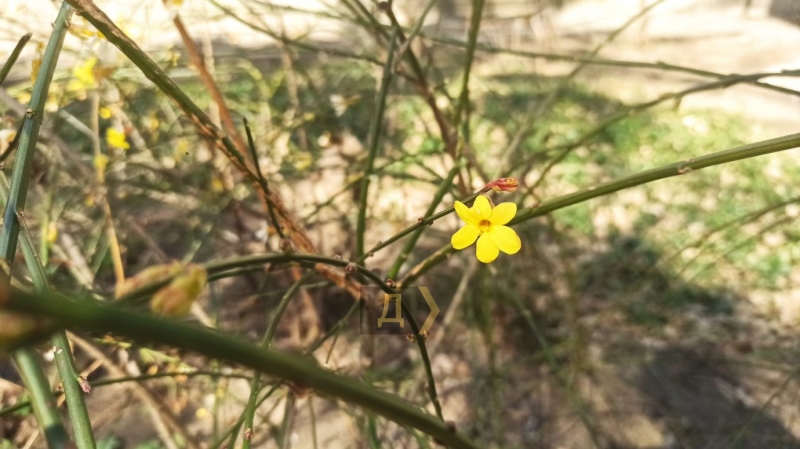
661 316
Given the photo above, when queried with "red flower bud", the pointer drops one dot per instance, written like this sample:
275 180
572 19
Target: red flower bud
503 185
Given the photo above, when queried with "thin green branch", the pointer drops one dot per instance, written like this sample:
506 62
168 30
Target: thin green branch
26 358
742 244
659 65
412 241
20 405
552 96
12 58
255 385
291 42
262 181
233 432
666 171
704 240
70 378
565 149
737 437
423 267
94 315
572 393
159 77
44 406
472 40
419 224
376 125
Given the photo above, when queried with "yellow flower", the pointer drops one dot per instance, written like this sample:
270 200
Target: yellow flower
84 73
100 162
487 226
116 139
52 233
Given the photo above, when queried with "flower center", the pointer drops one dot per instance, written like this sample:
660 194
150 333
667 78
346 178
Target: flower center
484 225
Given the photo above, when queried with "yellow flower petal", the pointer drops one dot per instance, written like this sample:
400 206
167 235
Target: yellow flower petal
505 239
465 236
466 213
116 139
482 208
84 74
100 162
486 250
52 233
503 213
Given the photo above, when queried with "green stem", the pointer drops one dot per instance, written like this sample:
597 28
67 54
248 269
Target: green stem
666 171
70 379
420 224
566 149
742 431
547 103
233 432
572 394
26 358
12 58
412 242
159 77
286 425
117 380
93 315
44 406
472 40
374 143
262 181
255 385
237 265
30 134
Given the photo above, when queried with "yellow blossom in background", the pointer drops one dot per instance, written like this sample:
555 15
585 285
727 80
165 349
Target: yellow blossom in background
84 74
181 149
52 233
152 122
116 139
486 225
217 185
105 113
100 162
